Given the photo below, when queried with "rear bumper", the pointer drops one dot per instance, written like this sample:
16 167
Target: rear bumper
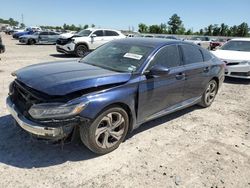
36 129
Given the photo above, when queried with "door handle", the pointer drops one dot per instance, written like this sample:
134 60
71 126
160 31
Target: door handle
206 69
180 76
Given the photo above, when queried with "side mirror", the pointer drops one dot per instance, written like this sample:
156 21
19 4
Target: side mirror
158 70
93 35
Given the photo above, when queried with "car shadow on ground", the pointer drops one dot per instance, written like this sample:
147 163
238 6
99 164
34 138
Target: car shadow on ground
164 119
19 149
64 56
242 81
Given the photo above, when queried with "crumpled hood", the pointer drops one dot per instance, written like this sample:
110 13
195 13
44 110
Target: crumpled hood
232 55
61 78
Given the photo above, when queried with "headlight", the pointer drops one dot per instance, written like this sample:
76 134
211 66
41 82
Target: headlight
55 110
246 62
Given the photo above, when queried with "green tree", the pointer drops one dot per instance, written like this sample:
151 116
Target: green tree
86 26
181 30
163 28
174 23
22 25
234 31
143 28
209 30
93 25
216 30
242 30
155 29
201 32
189 32
223 29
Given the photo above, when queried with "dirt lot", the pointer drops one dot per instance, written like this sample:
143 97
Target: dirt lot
192 148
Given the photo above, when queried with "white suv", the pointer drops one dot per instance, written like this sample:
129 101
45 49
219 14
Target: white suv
86 40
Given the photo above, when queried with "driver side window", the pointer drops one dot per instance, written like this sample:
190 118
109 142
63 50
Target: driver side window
167 57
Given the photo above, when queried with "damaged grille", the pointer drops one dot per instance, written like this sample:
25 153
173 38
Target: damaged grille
62 41
23 97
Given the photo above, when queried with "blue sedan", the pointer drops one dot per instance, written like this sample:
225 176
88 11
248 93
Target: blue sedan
113 90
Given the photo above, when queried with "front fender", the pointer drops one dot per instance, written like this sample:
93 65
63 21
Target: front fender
122 94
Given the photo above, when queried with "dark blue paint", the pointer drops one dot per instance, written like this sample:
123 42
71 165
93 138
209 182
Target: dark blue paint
143 95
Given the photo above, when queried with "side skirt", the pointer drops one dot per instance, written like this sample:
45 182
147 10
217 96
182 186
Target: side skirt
174 108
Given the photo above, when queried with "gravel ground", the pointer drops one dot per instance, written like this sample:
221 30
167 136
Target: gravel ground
194 147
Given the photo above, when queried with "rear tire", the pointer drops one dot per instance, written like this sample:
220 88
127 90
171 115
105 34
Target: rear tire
81 50
209 94
107 131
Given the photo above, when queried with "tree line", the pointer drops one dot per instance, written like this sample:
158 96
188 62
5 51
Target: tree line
175 26
65 26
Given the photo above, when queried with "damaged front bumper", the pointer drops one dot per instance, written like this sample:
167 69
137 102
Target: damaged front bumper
43 130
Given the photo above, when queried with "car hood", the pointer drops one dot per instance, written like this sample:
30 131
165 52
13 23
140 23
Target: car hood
61 78
232 55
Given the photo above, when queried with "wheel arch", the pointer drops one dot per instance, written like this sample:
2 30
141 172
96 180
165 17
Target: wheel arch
82 43
217 81
125 107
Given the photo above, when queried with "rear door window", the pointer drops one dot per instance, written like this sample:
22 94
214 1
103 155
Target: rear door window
111 33
99 33
192 54
206 55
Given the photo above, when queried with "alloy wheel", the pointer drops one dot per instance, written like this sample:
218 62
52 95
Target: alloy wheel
210 93
110 130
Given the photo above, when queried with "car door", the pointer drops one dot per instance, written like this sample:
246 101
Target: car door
157 93
52 37
196 71
43 37
96 39
110 35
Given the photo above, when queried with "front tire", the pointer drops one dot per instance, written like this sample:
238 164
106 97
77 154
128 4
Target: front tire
107 131
81 50
209 94
31 41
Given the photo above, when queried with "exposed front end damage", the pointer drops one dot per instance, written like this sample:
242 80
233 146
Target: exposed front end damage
21 98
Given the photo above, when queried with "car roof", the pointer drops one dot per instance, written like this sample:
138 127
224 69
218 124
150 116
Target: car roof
241 39
94 29
152 42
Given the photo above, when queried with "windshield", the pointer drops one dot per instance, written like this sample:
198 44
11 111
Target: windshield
237 46
120 57
84 33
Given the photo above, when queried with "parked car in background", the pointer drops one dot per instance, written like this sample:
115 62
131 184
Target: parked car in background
2 47
113 90
167 37
202 41
236 54
44 37
215 43
28 31
11 30
87 40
